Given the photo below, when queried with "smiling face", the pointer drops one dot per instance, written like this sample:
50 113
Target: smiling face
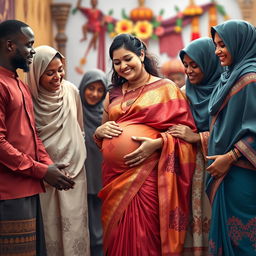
52 76
94 92
24 51
222 51
127 64
192 70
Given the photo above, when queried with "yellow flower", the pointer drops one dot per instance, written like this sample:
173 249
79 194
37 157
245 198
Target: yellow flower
143 29
112 34
177 29
124 26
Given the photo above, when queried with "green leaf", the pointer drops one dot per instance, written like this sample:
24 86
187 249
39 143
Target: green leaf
110 27
154 36
124 16
155 23
221 9
177 9
74 10
179 22
110 12
161 13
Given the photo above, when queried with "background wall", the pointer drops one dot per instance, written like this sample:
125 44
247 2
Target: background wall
37 14
75 49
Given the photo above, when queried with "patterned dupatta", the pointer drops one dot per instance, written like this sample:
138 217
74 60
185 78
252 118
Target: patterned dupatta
158 105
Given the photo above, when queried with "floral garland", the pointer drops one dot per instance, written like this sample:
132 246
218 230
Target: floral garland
154 28
143 29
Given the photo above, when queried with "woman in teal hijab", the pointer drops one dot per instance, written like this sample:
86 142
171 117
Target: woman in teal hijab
201 52
232 142
203 72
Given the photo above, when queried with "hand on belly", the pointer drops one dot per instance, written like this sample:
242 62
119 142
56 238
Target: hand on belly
115 149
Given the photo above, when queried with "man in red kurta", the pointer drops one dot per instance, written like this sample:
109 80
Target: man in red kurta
24 163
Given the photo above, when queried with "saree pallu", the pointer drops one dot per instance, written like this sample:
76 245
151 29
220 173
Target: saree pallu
233 195
21 227
196 243
146 208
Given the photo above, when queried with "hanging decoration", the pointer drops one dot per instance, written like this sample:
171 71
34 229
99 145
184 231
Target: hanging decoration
141 22
212 17
178 24
95 25
145 24
141 13
194 11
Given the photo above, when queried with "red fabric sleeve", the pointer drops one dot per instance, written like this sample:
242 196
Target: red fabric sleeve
10 156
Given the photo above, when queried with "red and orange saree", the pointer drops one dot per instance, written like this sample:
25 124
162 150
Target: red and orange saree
146 208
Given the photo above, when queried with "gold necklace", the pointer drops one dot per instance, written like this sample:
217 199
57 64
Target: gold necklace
146 82
130 102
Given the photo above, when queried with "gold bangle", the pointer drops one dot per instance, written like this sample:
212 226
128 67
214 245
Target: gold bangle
235 154
232 156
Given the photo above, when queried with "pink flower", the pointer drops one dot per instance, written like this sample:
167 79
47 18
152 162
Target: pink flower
180 15
159 18
108 19
159 31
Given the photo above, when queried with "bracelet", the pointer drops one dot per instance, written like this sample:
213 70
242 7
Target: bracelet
232 156
235 154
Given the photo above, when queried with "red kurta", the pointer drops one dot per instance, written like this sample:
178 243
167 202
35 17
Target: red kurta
23 159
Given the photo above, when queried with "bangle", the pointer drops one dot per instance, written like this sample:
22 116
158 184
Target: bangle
232 156
235 154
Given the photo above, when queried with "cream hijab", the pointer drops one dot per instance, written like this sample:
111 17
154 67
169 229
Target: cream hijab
59 116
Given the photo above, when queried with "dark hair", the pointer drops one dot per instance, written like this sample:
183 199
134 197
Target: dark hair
135 45
213 32
58 56
11 27
61 57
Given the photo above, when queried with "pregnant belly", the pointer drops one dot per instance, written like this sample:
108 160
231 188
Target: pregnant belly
115 149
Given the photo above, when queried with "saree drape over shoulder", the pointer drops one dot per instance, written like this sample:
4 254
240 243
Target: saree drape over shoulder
233 124
146 208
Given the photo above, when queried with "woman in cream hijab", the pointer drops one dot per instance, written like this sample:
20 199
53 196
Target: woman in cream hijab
59 121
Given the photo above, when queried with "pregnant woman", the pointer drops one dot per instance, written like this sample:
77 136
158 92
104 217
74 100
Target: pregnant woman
147 173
